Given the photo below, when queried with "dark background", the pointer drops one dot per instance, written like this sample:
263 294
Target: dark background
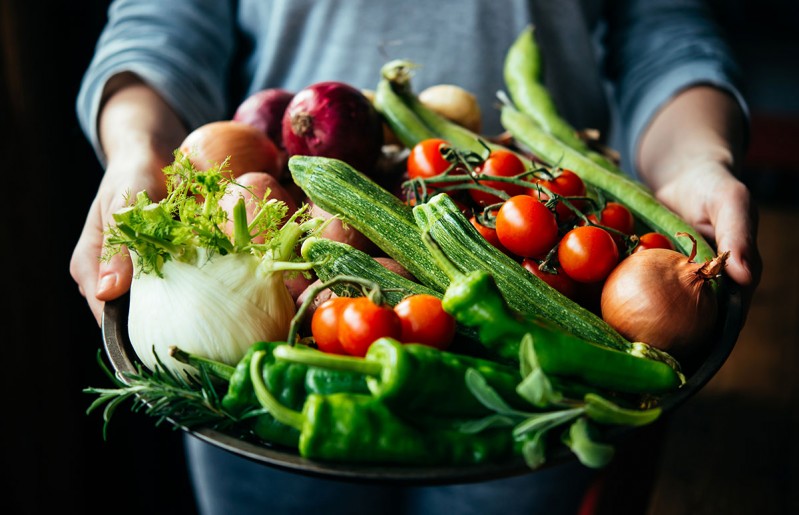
54 454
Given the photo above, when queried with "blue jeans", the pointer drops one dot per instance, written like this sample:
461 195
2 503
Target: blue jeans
226 484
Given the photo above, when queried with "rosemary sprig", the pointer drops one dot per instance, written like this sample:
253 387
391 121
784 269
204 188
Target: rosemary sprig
186 401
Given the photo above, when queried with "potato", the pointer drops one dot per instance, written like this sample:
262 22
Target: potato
336 231
252 184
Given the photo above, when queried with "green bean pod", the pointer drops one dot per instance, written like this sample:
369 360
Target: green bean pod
628 191
523 77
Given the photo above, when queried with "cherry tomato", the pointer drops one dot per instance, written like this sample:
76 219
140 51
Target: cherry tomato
653 240
425 159
558 280
526 227
424 321
362 322
488 233
616 216
500 163
325 322
588 254
567 184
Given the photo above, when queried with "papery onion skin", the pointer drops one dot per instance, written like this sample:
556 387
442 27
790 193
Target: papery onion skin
333 119
249 149
663 298
264 110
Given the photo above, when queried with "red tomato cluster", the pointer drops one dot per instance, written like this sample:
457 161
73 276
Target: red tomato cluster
349 325
549 237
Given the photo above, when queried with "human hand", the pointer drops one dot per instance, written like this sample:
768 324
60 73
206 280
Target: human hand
714 201
101 281
689 156
138 131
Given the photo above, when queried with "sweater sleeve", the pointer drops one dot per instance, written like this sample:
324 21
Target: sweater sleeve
657 48
181 48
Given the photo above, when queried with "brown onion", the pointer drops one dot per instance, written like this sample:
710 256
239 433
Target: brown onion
249 149
663 298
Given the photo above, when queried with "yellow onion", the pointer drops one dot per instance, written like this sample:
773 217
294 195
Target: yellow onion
248 148
663 298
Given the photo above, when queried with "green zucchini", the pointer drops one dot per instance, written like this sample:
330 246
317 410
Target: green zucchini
631 193
524 292
341 190
332 258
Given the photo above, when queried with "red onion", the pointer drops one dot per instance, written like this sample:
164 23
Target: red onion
333 119
663 298
264 110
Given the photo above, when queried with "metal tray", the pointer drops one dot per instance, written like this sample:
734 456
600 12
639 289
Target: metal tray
122 357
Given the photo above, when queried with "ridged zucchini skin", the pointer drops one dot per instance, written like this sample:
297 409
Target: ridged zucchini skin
333 258
379 215
524 292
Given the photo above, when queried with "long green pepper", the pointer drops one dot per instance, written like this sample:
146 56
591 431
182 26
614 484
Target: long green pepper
417 378
291 384
358 428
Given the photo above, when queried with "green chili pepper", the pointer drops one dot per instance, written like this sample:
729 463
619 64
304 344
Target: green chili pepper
358 428
292 383
475 300
417 377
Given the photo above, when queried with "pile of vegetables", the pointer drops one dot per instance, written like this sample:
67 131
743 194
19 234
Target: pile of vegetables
499 299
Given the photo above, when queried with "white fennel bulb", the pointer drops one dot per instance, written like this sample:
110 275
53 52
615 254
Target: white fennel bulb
198 288
216 310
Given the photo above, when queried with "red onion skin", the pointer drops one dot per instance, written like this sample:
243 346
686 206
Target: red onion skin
264 110
662 298
333 119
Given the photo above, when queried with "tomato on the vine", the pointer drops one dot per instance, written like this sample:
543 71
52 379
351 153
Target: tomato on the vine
425 159
325 322
616 216
558 280
490 234
362 322
588 254
653 240
500 163
526 227
566 184
424 321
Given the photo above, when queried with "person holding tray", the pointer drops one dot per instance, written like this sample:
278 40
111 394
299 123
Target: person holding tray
656 77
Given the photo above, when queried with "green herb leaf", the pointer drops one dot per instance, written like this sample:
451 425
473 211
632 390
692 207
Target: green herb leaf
536 386
481 424
604 411
590 452
487 396
534 450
